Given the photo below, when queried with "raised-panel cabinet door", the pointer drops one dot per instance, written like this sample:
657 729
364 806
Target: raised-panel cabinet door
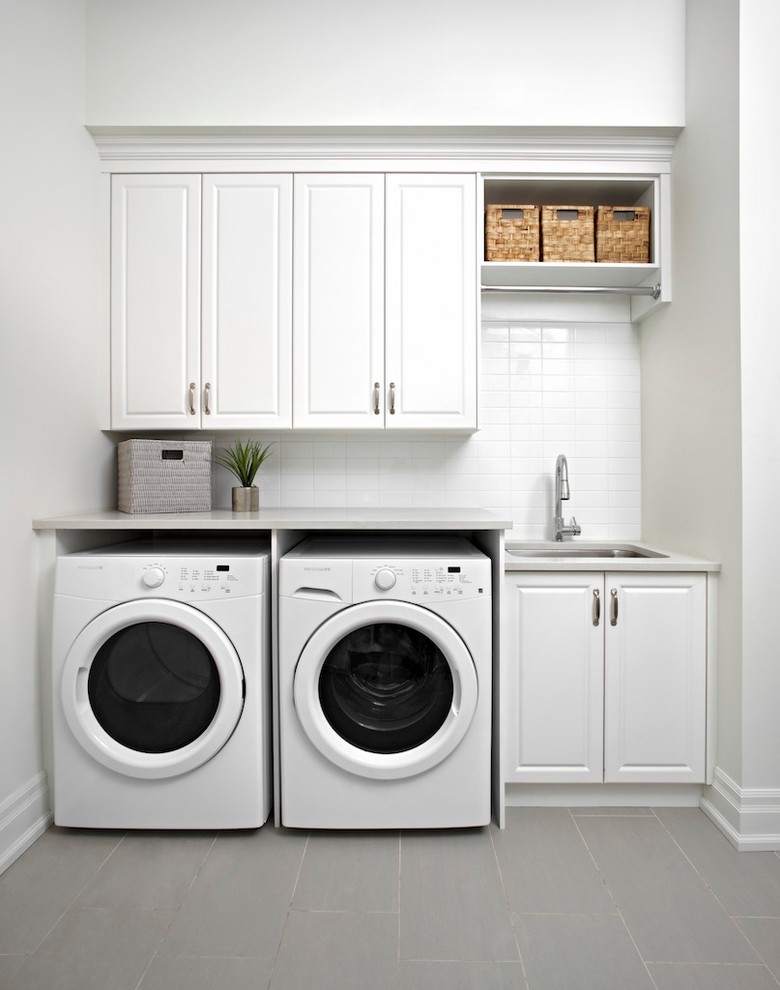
155 301
655 671
247 302
338 301
553 677
431 302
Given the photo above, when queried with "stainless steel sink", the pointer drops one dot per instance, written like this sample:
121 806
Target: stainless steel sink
583 552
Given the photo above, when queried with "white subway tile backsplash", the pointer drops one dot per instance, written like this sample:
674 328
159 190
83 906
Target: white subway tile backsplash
544 390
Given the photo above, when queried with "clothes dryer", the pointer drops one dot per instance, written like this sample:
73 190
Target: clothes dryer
161 686
385 674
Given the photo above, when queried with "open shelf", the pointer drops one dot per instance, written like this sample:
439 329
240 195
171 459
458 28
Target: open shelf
585 190
563 273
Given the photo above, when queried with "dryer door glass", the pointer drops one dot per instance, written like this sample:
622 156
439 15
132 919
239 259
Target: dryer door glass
154 687
386 688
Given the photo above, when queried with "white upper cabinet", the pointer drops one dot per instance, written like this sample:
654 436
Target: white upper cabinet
310 300
246 367
338 336
155 300
385 301
431 302
175 364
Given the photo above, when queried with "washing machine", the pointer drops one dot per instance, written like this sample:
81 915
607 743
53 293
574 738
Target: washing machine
385 672
161 686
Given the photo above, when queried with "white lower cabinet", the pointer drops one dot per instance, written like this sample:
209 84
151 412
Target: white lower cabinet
604 677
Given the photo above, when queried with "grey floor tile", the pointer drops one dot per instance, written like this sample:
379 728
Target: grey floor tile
349 872
586 951
461 976
452 902
239 900
607 811
670 912
95 949
546 866
190 973
148 870
764 935
9 967
42 883
711 976
338 951
745 883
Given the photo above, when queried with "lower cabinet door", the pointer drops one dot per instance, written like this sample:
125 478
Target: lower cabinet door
553 677
655 677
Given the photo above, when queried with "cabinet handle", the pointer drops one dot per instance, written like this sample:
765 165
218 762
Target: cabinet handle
376 398
206 399
596 608
193 410
614 607
392 398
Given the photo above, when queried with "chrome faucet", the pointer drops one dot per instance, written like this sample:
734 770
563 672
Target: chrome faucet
561 495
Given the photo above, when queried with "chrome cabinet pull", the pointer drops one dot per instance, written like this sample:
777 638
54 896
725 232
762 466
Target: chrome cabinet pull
193 410
376 398
596 607
614 608
392 398
207 399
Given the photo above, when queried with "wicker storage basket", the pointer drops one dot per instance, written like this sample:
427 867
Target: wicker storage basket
623 234
511 233
567 233
164 476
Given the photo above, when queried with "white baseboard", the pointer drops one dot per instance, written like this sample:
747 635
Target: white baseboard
748 817
603 795
24 817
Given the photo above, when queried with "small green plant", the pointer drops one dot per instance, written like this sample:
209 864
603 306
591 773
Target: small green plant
243 459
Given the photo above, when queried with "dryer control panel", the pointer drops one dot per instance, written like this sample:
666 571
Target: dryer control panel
135 571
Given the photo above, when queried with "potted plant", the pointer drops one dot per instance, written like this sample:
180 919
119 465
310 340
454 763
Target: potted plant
243 459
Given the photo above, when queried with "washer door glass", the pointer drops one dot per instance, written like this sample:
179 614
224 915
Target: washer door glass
385 689
152 688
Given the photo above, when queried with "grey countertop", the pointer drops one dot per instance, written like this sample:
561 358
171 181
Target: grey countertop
661 559
277 519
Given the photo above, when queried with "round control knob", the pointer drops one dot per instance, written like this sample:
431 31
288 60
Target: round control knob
153 577
385 579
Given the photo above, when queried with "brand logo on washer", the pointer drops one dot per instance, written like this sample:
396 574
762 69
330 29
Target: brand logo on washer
90 567
315 568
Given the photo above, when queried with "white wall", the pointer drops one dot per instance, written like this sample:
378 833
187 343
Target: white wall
759 143
711 403
691 419
293 63
53 457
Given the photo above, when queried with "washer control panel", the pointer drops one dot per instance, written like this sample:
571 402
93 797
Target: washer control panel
420 580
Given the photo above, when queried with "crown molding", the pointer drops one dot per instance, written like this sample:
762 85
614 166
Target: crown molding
468 148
